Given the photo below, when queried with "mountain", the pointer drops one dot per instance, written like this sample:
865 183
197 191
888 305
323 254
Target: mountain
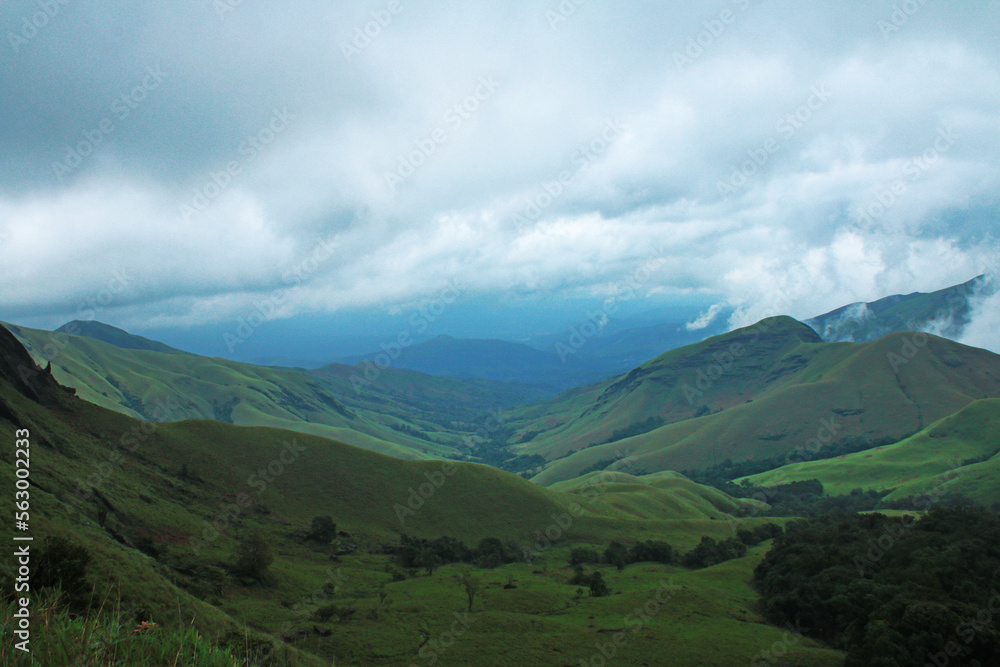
945 312
402 412
618 345
582 355
113 336
165 510
957 454
759 394
497 360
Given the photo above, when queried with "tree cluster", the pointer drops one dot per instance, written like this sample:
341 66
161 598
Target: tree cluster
594 581
891 591
619 555
417 552
708 552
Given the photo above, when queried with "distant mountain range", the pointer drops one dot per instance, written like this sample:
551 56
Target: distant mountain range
113 336
582 355
592 353
753 394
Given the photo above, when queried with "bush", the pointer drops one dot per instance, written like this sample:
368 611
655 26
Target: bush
62 564
598 588
323 530
254 558
709 552
581 555
595 581
652 552
617 554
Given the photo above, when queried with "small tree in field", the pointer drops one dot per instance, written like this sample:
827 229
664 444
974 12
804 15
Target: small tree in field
617 554
472 585
254 557
323 529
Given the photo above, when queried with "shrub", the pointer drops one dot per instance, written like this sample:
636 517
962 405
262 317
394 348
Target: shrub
323 530
254 558
582 555
617 554
652 552
62 564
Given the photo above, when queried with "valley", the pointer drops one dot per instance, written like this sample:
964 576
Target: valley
164 466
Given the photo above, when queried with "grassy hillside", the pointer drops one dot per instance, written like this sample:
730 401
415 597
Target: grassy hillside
402 413
164 507
758 393
957 454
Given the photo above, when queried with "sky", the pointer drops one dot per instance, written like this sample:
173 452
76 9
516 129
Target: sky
209 167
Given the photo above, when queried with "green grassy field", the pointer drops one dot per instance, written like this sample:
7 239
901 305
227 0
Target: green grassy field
957 454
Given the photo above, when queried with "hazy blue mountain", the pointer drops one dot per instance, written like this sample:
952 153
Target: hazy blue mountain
114 336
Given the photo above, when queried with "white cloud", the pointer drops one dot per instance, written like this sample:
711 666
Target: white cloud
788 240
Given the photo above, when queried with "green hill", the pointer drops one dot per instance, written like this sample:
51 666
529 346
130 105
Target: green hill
114 336
756 394
164 507
403 413
957 454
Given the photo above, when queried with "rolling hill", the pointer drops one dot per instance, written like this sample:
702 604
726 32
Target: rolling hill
957 454
401 412
163 507
756 394
114 336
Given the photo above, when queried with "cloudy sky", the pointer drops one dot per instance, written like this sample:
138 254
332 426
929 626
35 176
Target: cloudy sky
170 166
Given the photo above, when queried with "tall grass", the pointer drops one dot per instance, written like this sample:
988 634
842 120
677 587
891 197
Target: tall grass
105 636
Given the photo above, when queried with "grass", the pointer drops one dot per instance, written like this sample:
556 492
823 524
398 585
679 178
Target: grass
110 636
163 385
772 399
706 617
936 457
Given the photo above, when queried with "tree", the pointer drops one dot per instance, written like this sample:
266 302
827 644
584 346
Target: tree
598 587
582 555
472 585
323 529
427 559
490 553
652 552
617 554
254 557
